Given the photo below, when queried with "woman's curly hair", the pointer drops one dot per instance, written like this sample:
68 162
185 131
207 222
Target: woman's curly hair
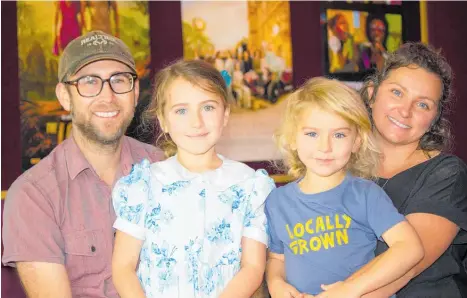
416 55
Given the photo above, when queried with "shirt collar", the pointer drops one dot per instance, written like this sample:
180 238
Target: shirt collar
77 162
126 158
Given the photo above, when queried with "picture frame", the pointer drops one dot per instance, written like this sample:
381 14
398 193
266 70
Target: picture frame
353 47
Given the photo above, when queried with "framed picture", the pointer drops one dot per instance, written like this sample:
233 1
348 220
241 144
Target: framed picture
359 35
251 41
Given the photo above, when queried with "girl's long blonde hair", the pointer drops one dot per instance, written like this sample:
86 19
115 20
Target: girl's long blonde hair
197 72
336 97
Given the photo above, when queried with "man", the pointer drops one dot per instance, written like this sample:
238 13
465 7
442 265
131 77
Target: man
58 215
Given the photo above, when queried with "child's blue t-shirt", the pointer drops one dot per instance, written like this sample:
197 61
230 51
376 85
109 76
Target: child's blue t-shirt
326 237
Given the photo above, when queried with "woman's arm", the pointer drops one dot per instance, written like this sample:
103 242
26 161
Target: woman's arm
124 261
405 251
275 276
436 234
251 273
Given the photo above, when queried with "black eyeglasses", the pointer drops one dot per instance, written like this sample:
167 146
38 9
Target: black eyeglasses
90 86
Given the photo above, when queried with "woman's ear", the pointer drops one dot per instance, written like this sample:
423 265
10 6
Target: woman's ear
370 92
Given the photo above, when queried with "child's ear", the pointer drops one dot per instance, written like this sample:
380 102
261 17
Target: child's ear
226 115
357 143
293 145
162 124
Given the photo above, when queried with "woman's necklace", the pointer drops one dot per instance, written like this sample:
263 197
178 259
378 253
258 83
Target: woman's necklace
384 184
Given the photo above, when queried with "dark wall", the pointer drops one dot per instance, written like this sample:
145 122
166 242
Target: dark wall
446 30
11 141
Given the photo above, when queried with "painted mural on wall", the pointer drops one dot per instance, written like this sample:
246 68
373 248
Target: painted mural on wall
251 41
44 30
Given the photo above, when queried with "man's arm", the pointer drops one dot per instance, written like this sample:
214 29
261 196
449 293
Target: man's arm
33 241
44 280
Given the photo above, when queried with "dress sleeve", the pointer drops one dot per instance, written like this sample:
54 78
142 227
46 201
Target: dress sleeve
255 222
443 192
130 199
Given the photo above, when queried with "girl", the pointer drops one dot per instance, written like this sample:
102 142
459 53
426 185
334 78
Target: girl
324 226
195 221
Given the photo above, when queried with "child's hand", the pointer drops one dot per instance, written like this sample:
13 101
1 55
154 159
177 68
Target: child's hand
338 289
281 289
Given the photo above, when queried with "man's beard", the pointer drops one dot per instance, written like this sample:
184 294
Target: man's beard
92 133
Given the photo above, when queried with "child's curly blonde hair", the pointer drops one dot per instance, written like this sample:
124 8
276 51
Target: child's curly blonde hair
334 96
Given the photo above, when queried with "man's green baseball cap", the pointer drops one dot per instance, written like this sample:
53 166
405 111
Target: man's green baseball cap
91 47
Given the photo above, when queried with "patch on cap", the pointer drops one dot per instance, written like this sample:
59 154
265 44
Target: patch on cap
91 47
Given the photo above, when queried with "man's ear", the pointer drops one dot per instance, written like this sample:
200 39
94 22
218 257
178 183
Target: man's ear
136 92
63 96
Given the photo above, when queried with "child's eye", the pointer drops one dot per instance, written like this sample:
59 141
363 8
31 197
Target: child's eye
180 111
312 134
339 135
423 105
396 92
208 108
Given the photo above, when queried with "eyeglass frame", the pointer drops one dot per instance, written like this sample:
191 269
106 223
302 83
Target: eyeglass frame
75 83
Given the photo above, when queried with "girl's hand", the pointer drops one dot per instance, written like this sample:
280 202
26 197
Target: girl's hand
281 289
338 289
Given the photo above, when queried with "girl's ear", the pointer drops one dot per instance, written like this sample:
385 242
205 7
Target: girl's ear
162 124
226 115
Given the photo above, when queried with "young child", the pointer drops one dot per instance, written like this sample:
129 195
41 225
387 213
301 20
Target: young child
194 224
324 226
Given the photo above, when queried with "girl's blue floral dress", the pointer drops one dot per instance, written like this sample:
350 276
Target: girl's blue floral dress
191 224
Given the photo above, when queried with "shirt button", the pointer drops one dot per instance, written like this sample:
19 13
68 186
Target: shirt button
93 248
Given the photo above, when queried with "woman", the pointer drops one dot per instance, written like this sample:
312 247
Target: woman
408 99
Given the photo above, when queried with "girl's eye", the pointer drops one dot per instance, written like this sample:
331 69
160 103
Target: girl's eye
312 134
423 106
208 108
180 111
339 135
396 92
